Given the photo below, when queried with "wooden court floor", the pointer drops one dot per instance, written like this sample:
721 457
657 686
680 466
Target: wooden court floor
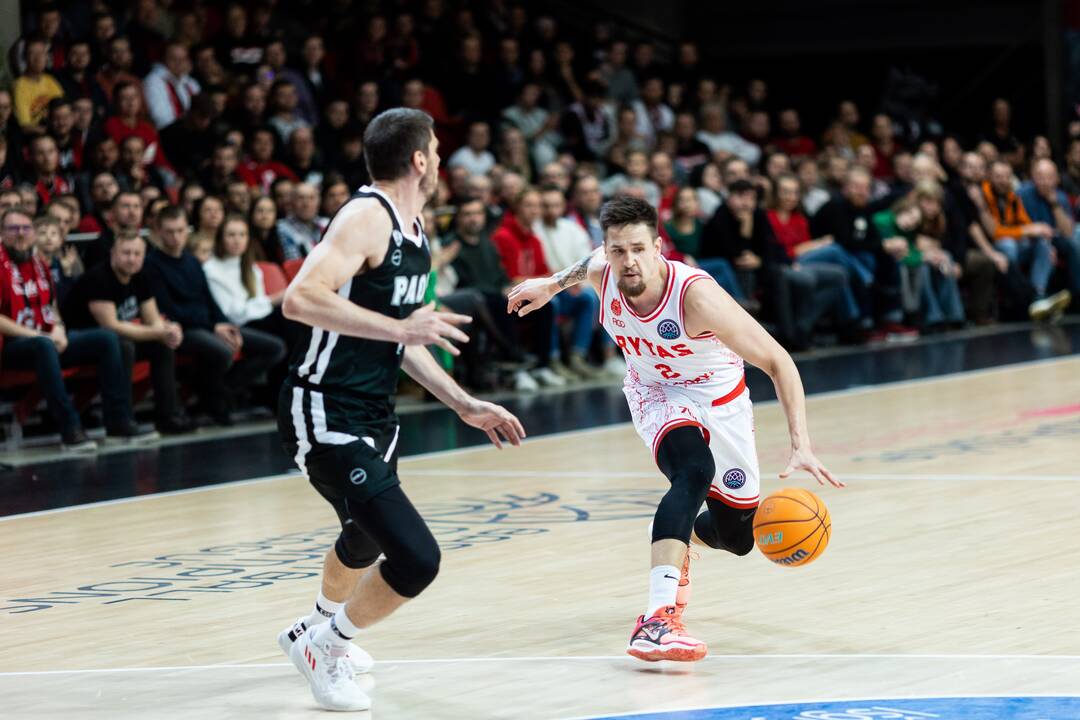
954 569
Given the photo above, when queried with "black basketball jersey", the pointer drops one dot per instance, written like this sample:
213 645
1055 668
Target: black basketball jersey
338 363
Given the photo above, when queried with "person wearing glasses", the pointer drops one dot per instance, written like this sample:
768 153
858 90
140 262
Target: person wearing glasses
35 339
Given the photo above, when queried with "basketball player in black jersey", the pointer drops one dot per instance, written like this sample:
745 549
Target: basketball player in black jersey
361 292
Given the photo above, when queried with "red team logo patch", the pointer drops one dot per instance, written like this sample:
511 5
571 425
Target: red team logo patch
616 307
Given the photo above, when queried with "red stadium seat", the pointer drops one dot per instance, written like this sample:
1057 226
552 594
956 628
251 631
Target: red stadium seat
291 267
274 279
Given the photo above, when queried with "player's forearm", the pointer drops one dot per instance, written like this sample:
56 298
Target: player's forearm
422 367
792 397
326 309
576 273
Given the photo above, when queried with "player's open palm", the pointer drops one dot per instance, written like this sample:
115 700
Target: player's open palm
498 422
530 295
804 459
428 326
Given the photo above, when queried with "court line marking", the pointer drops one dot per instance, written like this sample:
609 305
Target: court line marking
436 472
813 701
858 390
552 658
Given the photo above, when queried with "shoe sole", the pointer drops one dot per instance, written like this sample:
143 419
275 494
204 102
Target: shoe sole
296 655
683 653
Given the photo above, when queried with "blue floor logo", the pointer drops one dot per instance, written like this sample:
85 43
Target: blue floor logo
958 708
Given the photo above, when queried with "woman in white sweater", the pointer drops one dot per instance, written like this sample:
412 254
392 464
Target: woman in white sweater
236 283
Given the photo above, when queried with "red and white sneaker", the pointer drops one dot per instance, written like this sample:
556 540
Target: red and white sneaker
663 637
682 595
360 660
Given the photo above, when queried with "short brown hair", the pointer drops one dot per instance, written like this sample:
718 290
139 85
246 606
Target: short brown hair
623 210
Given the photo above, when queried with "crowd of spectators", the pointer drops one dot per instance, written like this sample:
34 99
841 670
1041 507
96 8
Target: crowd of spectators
197 143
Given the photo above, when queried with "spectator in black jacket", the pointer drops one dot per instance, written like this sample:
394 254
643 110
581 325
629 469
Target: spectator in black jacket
183 296
845 235
734 241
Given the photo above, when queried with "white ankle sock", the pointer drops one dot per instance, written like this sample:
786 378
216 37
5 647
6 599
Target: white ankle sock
663 586
324 610
336 633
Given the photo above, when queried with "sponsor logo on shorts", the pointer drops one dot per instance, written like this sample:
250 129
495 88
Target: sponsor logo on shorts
668 329
358 476
734 479
616 307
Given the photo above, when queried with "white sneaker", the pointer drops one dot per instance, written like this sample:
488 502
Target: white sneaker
524 382
360 660
331 676
1050 307
548 378
615 366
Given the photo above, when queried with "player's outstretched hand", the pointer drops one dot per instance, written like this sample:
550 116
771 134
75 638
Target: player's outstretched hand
804 459
530 295
495 420
428 326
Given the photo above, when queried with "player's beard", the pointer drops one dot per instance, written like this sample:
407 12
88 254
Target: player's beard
631 289
429 184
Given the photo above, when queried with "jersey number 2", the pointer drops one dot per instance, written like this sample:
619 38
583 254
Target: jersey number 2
666 372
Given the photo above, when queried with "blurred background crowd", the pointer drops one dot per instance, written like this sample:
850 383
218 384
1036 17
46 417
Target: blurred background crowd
166 166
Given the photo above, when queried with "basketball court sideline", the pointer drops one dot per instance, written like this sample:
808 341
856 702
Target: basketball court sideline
949 574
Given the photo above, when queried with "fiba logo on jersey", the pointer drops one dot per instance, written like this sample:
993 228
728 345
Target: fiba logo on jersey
668 329
616 307
358 476
734 479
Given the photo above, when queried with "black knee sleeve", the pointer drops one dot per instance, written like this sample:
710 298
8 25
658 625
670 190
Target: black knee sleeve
412 553
354 548
409 573
726 528
684 457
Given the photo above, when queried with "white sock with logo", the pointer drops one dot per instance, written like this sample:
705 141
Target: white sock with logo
334 636
323 611
663 586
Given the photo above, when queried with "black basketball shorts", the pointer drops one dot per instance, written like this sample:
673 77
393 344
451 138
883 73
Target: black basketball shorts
346 447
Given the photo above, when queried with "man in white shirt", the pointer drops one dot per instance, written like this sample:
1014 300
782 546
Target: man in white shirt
475 156
563 238
715 134
652 115
169 87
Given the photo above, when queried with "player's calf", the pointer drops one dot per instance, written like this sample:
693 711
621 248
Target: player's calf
723 527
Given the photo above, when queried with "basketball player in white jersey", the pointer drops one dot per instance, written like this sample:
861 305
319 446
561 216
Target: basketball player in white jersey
684 339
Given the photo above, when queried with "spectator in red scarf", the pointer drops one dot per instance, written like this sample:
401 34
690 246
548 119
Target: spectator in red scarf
35 339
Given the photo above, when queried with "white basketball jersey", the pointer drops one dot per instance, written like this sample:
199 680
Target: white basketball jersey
657 349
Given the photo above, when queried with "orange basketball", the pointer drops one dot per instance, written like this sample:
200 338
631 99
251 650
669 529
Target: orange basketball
792 527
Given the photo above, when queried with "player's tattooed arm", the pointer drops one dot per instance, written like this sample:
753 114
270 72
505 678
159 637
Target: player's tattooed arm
574 274
537 292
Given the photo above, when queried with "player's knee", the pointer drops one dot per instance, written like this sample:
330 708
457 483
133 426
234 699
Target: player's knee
355 551
741 543
409 573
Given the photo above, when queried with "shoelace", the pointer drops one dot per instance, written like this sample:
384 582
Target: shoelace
341 671
674 624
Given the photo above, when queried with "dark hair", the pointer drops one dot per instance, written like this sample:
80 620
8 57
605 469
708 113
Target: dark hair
172 212
550 187
623 210
116 198
392 137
